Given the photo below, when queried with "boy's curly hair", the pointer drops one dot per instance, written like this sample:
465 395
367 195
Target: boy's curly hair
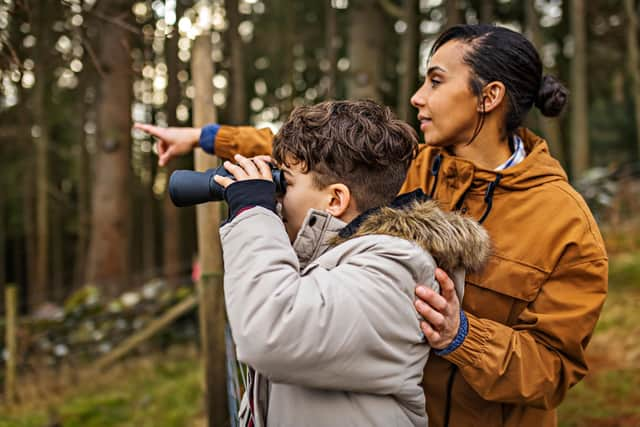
358 143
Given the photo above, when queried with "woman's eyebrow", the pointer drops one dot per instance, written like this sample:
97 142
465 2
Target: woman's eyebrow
436 68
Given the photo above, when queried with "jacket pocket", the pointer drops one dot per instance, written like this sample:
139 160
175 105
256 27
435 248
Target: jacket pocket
502 289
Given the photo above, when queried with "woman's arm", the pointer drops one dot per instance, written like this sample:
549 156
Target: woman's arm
537 360
223 141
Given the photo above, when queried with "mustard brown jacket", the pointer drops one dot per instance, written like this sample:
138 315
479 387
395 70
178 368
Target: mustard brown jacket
531 310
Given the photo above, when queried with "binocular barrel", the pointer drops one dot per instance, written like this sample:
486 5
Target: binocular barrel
188 188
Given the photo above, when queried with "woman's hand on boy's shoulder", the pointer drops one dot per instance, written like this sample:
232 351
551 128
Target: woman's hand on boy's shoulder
440 311
245 169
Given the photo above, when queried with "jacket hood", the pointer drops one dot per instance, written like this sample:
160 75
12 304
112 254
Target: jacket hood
537 168
453 240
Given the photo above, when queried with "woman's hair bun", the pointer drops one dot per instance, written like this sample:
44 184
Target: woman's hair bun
552 96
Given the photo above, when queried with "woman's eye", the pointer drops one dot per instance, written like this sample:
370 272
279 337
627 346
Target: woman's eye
435 82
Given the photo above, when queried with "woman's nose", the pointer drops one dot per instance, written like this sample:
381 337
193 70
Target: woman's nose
417 100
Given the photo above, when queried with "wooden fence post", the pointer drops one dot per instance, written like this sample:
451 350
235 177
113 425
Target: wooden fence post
11 304
210 289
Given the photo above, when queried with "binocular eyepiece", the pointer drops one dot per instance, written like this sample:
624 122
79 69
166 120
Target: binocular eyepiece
187 188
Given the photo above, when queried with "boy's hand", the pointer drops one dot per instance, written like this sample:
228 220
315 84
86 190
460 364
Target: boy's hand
172 141
441 311
254 168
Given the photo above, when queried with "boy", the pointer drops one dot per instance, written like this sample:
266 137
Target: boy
320 300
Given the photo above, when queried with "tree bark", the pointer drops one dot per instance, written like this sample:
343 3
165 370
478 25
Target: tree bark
365 50
3 240
238 98
487 11
148 223
171 235
57 291
210 285
331 34
454 15
39 289
550 127
409 61
107 263
579 125
633 63
83 178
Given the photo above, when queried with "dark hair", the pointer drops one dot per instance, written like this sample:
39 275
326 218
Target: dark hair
358 143
500 54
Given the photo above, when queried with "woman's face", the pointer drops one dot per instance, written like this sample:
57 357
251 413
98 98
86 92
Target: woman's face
447 108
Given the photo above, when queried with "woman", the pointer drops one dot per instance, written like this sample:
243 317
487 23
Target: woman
508 356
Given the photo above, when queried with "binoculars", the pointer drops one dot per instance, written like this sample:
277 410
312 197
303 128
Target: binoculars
188 188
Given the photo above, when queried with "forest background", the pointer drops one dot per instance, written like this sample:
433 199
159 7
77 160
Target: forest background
84 211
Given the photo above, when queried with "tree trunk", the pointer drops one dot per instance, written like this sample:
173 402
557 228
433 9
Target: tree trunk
83 178
487 11
238 98
58 291
331 35
148 221
365 50
28 219
454 15
107 263
549 126
633 63
172 255
409 61
3 240
579 125
210 285
39 289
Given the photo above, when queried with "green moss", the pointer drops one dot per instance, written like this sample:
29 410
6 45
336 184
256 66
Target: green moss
163 394
603 399
624 271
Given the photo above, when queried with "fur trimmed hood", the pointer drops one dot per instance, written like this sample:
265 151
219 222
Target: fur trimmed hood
453 240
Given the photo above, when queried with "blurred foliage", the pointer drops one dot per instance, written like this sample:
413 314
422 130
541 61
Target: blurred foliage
89 325
162 391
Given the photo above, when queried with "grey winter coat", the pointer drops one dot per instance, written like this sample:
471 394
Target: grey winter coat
329 324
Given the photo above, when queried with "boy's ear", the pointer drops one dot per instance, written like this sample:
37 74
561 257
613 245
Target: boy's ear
340 198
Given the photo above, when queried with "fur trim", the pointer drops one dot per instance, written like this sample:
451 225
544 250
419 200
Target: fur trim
453 240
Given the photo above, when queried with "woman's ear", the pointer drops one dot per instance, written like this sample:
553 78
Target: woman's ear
492 96
339 199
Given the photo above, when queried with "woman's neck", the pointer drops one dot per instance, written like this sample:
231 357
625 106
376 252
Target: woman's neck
488 150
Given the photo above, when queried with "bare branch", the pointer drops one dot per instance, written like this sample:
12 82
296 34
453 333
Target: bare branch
115 21
391 8
94 58
12 51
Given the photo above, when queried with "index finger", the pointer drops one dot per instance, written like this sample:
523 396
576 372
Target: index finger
264 158
263 167
447 288
150 129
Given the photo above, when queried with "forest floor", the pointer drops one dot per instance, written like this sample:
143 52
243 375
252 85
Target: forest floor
610 394
166 389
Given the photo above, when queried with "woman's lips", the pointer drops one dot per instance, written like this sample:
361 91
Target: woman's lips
424 123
